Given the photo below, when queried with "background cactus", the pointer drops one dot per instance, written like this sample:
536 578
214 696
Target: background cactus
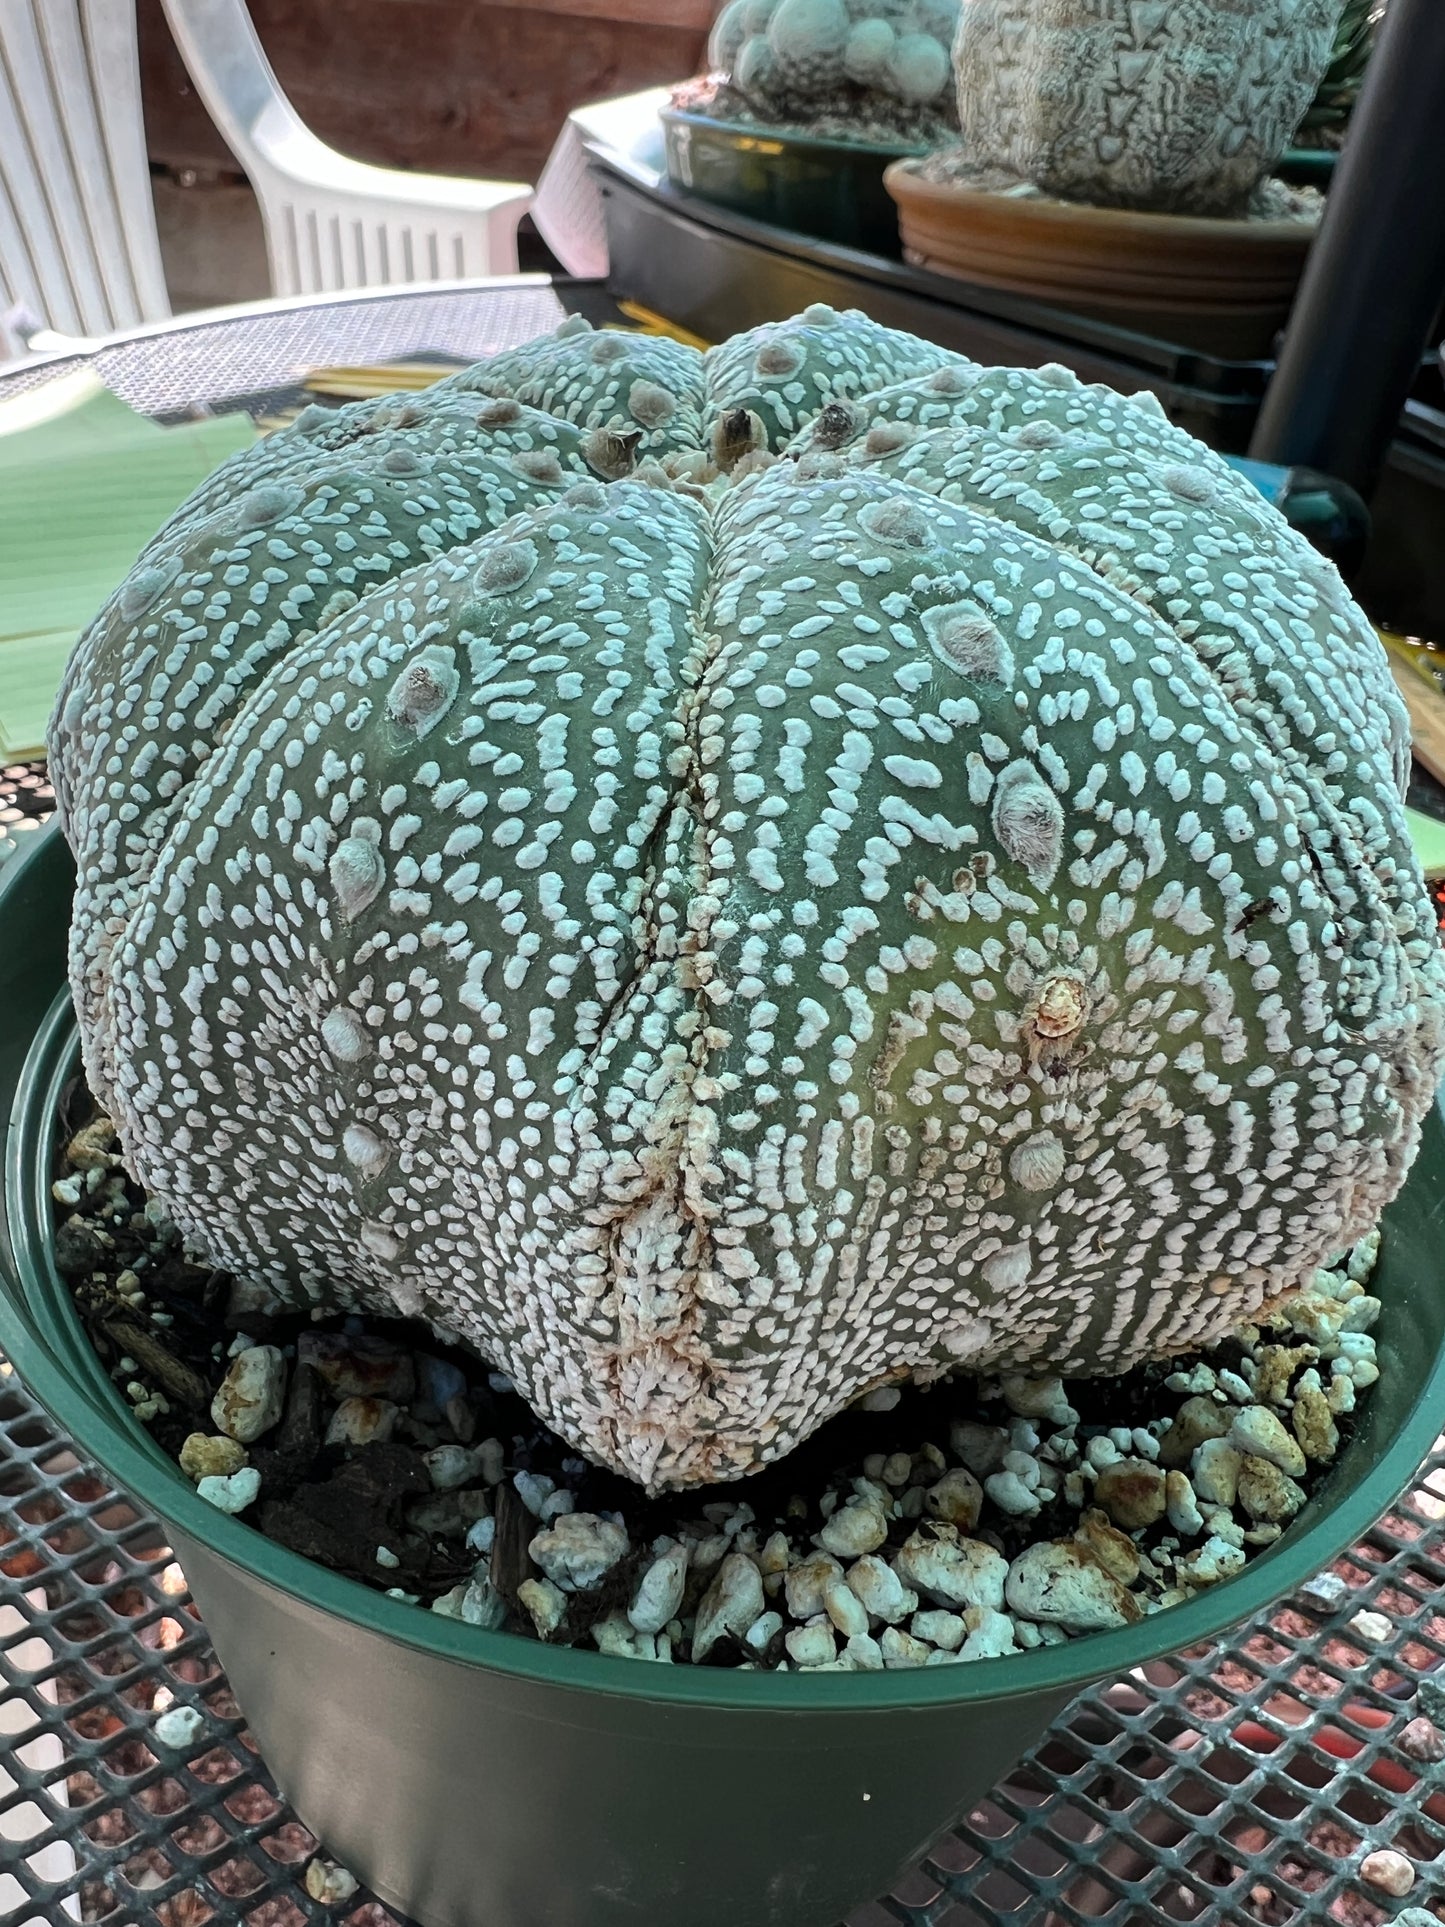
870 62
909 874
1328 114
1181 106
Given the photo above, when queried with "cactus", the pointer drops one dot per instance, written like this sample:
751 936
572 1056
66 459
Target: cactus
1179 106
1328 114
728 881
876 63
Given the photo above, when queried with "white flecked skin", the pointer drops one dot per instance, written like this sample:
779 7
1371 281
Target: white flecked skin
1180 106
939 898
804 58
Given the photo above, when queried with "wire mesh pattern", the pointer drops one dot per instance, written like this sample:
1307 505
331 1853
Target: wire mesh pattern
250 357
1240 1786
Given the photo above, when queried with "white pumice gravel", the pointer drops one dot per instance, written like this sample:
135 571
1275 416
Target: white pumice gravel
845 1608
881 1591
576 1550
993 1516
328 1884
860 1526
232 1493
178 1726
806 1584
659 1591
1260 1434
936 1627
731 1604
815 1644
1063 1585
951 1570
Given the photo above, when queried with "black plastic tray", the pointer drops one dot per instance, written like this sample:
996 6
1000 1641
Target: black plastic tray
715 271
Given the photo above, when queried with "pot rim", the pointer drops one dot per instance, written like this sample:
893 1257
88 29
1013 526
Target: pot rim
736 131
116 1442
902 180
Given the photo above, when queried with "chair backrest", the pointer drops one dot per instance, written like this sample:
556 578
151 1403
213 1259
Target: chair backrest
78 243
228 68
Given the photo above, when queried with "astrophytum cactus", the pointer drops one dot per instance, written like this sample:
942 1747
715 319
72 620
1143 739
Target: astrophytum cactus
809 59
726 881
1179 106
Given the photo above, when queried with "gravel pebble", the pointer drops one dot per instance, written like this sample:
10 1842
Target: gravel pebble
1267 1494
202 1457
234 1493
615 1635
860 1526
1011 1495
880 1590
659 1591
328 1884
1214 1472
1391 1872
1108 1547
938 1628
1314 1423
981 1447
450 1466
956 1498
845 1608
252 1395
546 1603
1132 1492
178 1726
991 1635
950 1570
1196 1420
1059 1583
730 1605
807 1582
1372 1626
1423 1740
1037 1398
812 1645
901 1650
865 1654
1214 1561
576 1550
1325 1593
1182 1506
362 1421
1261 1434
761 1634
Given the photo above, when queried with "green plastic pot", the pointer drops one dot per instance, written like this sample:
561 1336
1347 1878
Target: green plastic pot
476 1777
831 190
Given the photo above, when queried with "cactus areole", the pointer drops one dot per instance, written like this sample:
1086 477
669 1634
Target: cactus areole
726 881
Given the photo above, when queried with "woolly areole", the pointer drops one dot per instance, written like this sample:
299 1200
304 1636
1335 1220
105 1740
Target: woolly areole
911 874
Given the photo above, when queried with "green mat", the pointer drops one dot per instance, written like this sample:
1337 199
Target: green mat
84 483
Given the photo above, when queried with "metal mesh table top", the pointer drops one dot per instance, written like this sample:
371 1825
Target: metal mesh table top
245 358
1240 1784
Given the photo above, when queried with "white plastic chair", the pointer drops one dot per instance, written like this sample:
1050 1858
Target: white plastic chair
78 247
332 222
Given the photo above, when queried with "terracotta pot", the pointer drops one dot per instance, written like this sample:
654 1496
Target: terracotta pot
1213 284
